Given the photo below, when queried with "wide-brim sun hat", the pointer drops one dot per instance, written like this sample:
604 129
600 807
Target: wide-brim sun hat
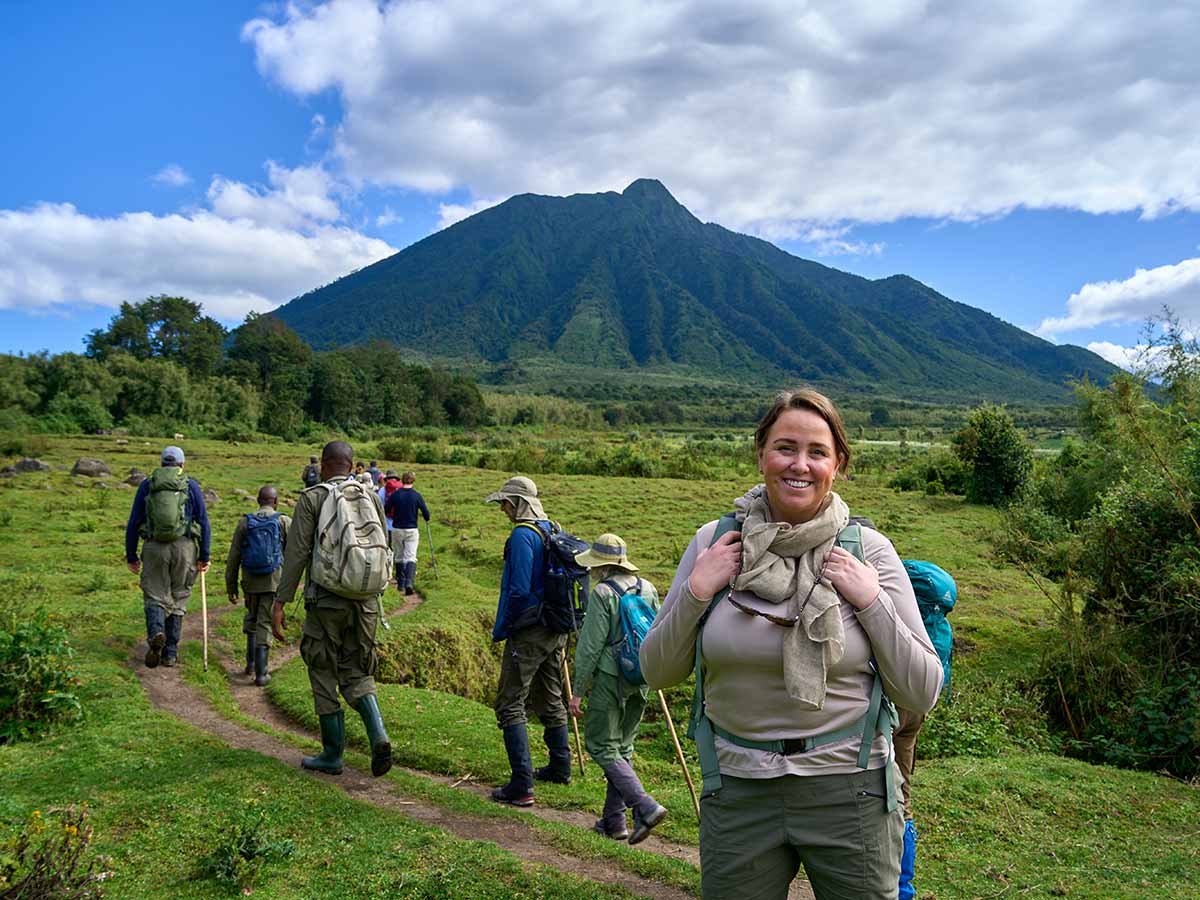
517 486
390 473
608 550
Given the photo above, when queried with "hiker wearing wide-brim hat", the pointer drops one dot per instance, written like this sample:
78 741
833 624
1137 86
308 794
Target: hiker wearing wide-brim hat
531 667
615 703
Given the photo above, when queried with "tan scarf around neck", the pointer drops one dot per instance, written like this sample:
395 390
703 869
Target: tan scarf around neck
781 562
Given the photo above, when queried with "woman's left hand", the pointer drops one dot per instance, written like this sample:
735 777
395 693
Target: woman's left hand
857 582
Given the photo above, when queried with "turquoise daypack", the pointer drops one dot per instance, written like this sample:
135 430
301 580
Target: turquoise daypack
635 616
936 595
881 715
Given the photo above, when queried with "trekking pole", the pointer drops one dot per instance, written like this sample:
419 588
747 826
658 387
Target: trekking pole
679 753
204 617
574 721
429 534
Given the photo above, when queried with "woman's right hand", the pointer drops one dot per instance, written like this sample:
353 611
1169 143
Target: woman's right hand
716 566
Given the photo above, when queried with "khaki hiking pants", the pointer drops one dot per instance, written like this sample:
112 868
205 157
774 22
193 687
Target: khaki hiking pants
338 647
168 573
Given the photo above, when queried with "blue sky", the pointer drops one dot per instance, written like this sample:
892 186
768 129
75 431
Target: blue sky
1037 163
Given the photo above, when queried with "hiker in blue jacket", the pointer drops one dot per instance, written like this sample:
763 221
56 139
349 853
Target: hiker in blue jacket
168 512
402 507
532 665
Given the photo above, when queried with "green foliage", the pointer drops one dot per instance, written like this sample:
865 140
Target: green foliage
45 859
996 454
981 718
169 328
37 676
935 473
243 847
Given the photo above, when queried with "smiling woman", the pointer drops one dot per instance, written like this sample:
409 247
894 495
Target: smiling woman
799 675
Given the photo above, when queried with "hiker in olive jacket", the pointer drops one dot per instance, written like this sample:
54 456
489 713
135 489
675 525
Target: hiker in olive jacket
169 513
338 642
259 587
615 705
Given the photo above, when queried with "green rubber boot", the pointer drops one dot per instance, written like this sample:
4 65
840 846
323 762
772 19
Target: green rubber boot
381 747
333 740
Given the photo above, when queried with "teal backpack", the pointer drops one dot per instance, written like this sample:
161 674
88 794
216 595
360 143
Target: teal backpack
636 615
936 595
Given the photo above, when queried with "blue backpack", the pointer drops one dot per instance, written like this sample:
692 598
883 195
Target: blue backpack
262 547
936 595
636 616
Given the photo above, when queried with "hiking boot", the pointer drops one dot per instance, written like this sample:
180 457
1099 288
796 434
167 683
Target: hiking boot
408 590
643 824
154 651
261 675
170 661
333 742
559 770
519 790
250 648
619 833
381 747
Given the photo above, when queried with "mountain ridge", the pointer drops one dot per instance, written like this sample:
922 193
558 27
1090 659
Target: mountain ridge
634 281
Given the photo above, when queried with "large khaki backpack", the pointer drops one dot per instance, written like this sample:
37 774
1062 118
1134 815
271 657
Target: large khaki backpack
351 556
166 505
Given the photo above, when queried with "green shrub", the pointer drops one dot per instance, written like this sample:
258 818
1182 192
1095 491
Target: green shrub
37 678
45 859
395 449
936 473
985 719
243 847
997 456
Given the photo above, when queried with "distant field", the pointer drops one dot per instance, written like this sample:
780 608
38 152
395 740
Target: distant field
1001 813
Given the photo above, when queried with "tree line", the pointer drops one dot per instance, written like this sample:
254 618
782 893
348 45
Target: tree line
162 365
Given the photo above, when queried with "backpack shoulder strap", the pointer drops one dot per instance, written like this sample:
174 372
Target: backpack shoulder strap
725 524
850 538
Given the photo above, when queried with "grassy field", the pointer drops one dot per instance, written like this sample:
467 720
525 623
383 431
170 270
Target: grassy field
1000 812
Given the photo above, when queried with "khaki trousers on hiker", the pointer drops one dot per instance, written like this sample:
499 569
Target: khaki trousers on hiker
904 742
531 676
404 544
756 832
338 646
168 573
257 620
614 712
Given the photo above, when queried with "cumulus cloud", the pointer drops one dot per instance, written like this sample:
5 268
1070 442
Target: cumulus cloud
1128 358
254 249
449 213
388 217
171 176
761 115
1137 298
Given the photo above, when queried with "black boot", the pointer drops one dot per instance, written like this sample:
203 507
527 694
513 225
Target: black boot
399 576
333 742
250 645
519 790
410 572
261 675
156 635
559 770
381 747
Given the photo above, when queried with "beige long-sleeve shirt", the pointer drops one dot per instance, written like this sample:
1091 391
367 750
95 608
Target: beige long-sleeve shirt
743 667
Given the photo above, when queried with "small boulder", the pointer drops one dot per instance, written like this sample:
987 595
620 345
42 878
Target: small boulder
210 497
100 484
92 468
135 478
123 486
31 465
8 472
121 442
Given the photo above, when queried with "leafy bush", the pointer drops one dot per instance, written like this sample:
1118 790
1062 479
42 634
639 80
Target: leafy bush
997 456
985 719
243 847
937 473
45 860
37 679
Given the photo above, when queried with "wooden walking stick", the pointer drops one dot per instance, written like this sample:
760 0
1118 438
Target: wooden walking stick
574 721
204 617
679 753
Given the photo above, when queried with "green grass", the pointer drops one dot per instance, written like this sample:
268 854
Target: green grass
1012 821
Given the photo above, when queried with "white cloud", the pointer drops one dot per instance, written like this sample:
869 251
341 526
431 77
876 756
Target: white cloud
1137 298
388 217
53 255
449 213
1127 358
762 115
171 176
297 197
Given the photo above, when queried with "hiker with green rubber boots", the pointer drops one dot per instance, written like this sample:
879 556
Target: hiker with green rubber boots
615 702
338 538
168 513
531 671
257 551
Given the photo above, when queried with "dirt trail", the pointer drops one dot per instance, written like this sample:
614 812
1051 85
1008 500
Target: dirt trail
167 691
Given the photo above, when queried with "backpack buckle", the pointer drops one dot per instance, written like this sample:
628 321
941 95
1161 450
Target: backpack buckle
795 745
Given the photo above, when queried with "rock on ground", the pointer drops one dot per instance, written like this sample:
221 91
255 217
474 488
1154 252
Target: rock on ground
92 468
31 465
210 497
136 477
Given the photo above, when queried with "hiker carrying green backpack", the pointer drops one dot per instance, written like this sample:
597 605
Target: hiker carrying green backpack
169 516
619 610
801 637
